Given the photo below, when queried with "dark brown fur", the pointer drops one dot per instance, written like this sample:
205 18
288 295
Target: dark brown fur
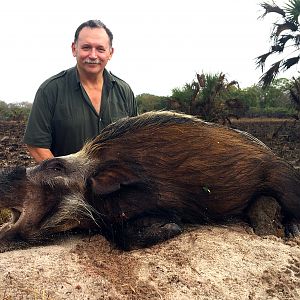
196 168
145 176
186 168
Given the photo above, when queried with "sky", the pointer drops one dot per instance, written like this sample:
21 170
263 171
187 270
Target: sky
158 45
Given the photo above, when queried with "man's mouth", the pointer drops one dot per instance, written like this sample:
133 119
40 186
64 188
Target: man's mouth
92 62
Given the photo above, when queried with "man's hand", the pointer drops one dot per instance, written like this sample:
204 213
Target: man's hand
39 154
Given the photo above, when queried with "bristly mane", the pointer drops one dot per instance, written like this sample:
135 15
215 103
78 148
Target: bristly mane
148 119
157 119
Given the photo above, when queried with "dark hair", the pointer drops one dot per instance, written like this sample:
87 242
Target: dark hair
94 24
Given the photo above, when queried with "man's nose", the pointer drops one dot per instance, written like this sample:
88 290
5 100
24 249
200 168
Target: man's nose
93 53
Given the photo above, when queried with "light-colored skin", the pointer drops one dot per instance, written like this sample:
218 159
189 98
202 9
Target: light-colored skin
92 52
39 154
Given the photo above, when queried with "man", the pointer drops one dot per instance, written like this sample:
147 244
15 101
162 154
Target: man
75 105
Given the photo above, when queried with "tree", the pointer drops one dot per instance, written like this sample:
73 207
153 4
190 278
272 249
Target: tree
15 111
3 110
285 39
210 97
270 101
295 96
276 94
184 99
148 102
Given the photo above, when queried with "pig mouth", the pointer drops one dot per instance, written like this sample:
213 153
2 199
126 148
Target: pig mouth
10 220
15 226
10 215
15 215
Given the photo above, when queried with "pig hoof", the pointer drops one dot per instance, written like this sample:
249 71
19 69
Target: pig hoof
265 217
134 237
292 230
171 229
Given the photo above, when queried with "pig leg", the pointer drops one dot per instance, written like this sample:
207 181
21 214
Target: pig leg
266 218
292 229
146 231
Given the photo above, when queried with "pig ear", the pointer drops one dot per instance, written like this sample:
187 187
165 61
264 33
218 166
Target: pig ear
108 181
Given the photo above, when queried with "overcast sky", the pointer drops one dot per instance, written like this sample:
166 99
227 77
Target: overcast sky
159 45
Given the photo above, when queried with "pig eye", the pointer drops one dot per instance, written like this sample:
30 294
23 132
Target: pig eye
56 166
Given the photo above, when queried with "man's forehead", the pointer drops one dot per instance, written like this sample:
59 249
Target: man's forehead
93 34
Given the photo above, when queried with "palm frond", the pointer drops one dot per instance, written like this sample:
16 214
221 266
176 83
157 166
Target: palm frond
287 25
286 64
201 80
233 83
271 8
277 48
292 9
285 38
261 60
268 77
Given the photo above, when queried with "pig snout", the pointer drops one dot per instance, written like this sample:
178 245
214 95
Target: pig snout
11 199
44 199
25 201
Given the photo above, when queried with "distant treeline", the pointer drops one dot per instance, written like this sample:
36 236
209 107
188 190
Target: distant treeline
210 97
213 98
15 111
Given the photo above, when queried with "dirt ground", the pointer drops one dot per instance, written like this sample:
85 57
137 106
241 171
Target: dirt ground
205 262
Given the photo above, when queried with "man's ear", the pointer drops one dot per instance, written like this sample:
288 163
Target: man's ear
73 47
111 52
108 181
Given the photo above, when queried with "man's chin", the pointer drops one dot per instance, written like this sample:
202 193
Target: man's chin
93 69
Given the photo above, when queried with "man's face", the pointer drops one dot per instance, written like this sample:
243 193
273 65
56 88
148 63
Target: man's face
92 50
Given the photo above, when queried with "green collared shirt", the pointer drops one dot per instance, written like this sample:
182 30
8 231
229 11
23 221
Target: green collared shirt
63 118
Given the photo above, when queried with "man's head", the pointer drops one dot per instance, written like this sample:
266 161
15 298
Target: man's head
93 24
92 46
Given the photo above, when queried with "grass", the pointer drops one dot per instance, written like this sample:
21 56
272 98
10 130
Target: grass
261 120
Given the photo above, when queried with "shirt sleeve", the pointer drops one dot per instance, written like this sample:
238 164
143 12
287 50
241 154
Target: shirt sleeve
132 104
38 131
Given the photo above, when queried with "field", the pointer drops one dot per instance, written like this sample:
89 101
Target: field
206 262
282 136
12 150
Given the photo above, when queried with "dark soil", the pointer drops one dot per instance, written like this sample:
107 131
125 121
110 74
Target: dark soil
12 150
282 136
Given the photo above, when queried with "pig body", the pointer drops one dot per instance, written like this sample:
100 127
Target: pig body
145 176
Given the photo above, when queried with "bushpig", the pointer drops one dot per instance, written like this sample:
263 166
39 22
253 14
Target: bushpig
144 177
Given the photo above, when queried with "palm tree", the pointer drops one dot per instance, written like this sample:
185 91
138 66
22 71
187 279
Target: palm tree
285 37
208 97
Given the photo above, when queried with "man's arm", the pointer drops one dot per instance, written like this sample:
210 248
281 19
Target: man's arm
39 154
